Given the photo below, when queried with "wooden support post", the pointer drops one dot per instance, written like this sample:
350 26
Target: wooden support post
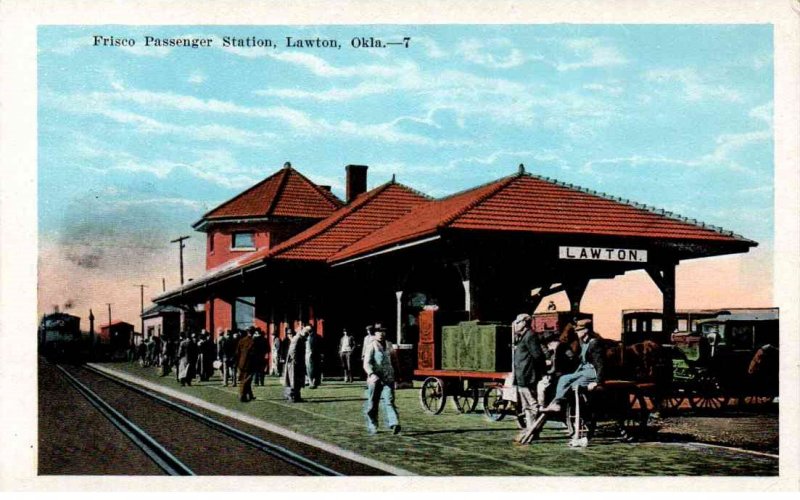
668 293
575 291
399 324
664 278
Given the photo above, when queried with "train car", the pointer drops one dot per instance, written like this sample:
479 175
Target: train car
113 341
59 336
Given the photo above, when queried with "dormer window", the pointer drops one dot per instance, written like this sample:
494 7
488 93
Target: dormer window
243 241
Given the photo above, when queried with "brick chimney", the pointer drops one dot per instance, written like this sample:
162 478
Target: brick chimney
356 181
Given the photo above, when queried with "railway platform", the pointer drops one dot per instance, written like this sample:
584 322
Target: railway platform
451 443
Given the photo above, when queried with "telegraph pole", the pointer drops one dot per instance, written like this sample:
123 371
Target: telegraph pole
181 246
163 284
109 316
141 310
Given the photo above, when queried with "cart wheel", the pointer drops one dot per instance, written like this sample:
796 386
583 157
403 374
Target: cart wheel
756 400
703 402
708 395
672 402
465 397
431 395
494 406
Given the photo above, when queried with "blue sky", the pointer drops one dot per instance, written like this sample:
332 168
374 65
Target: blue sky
136 143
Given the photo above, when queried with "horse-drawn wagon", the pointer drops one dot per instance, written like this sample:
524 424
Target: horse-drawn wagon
733 355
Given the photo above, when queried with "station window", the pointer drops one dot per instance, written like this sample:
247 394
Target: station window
682 325
244 312
243 240
210 242
655 325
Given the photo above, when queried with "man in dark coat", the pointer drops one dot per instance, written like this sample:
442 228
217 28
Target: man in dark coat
260 350
313 358
528 366
245 362
590 370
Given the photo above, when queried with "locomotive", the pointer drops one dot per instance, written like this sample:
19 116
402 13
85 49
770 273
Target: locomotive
60 336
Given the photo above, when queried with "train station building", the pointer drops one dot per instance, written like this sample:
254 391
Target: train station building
287 251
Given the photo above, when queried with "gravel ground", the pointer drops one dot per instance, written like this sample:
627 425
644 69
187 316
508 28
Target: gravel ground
751 430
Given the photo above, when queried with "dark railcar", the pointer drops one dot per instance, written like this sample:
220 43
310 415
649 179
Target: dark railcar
59 336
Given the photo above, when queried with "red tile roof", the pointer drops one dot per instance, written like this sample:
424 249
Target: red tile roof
285 193
367 213
529 203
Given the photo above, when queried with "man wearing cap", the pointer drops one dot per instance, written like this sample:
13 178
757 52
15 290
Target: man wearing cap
380 365
528 365
590 370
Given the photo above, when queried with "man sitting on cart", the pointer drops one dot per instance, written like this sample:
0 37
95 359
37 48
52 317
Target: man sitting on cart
590 370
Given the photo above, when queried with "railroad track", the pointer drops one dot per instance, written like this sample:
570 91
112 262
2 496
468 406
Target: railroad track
159 452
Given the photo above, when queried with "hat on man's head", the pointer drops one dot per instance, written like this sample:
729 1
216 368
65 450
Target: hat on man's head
380 328
583 324
523 318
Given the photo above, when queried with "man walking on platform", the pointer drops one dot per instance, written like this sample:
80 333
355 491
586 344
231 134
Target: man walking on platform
275 361
346 345
246 364
380 365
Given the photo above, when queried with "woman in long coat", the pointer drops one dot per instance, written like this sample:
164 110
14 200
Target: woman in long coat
294 373
187 357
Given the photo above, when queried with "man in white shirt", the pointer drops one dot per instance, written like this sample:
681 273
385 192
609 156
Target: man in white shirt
380 365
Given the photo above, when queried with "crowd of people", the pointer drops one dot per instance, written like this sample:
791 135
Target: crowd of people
245 357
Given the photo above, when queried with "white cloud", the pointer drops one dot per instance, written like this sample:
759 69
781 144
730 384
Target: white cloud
496 53
611 89
68 46
301 122
763 112
335 94
593 53
98 104
197 77
432 48
141 50
692 86
724 155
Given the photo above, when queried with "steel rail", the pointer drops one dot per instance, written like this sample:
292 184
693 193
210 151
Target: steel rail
157 453
272 449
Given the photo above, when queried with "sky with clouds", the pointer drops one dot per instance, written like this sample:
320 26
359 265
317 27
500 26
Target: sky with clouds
136 143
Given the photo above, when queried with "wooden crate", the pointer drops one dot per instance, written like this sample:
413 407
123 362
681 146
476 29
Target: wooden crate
474 346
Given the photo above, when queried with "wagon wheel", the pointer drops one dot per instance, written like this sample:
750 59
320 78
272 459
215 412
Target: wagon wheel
494 406
707 402
672 403
756 400
465 396
708 395
431 395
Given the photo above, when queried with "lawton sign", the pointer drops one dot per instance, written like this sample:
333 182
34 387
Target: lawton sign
595 253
